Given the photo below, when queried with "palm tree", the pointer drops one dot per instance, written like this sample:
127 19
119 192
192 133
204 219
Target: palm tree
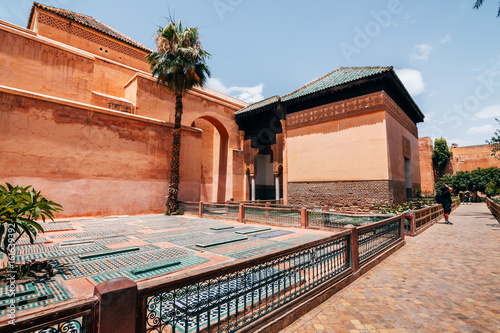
179 64
479 3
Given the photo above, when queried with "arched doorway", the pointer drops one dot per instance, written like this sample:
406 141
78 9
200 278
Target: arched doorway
264 175
214 159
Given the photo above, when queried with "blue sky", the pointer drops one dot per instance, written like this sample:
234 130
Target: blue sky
446 53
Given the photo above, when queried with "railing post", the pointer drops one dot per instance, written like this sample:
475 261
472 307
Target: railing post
118 310
303 217
241 213
200 209
354 247
323 216
413 225
267 209
402 227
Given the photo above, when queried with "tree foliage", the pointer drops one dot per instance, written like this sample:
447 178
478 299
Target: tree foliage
179 64
20 208
479 3
495 142
482 180
441 155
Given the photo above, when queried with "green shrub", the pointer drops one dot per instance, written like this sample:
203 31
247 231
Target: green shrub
20 208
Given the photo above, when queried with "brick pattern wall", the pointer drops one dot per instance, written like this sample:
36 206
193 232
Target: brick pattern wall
427 174
354 196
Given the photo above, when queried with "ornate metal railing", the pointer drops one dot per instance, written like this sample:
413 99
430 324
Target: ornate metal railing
374 237
223 210
272 215
494 208
332 220
75 317
408 224
226 298
189 207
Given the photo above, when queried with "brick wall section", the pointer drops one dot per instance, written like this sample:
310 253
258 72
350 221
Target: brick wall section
347 195
427 175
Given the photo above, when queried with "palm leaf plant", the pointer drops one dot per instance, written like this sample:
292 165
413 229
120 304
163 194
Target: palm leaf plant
179 64
20 208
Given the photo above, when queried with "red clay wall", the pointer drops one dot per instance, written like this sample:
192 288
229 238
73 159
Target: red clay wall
92 161
427 174
469 158
70 33
465 158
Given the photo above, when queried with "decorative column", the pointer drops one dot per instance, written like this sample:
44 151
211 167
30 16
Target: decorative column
252 187
277 185
285 162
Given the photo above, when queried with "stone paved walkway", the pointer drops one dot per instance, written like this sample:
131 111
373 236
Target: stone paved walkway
446 279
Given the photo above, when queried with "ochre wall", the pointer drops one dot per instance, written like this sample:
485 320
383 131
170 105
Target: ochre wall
29 63
352 148
469 158
70 33
137 167
395 135
92 161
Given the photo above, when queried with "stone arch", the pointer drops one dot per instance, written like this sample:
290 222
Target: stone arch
214 168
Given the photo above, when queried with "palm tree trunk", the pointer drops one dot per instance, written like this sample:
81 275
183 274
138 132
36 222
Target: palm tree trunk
173 188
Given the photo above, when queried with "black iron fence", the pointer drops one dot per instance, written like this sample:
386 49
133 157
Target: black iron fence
77 316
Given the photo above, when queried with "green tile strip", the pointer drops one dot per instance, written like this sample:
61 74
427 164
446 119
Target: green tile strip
20 290
47 291
108 252
224 241
188 261
150 268
252 231
222 228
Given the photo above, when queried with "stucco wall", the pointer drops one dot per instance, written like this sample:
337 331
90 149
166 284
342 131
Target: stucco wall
470 158
352 148
395 135
29 63
92 161
70 33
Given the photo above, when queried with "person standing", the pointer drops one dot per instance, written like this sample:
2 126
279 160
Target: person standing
446 202
467 196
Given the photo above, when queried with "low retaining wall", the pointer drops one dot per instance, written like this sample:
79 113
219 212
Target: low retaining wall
494 208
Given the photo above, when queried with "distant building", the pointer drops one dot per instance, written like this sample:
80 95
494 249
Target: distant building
465 158
83 120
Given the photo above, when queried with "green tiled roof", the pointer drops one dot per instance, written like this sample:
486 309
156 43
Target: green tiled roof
258 105
338 77
90 22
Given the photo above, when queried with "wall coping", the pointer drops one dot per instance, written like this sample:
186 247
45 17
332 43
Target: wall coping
195 91
89 107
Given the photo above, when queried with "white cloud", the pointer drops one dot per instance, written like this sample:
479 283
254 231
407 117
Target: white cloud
247 94
485 129
412 79
492 111
424 50
446 38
